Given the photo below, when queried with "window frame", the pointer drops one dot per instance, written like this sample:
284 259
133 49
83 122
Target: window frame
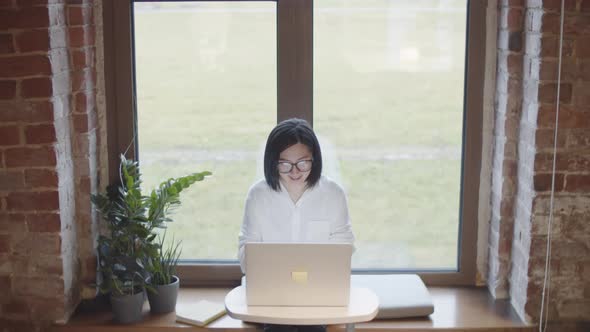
295 98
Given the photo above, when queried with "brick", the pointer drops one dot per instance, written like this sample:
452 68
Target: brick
16 306
26 111
7 89
563 249
544 138
35 178
39 287
44 222
6 43
24 18
550 47
514 62
583 47
83 58
18 325
542 182
577 183
32 3
38 87
33 244
4 4
11 180
83 80
515 19
40 134
5 283
81 36
81 146
30 157
585 6
40 110
5 243
49 264
507 208
578 138
9 135
574 310
551 23
33 201
568 118
576 25
41 264
509 168
548 92
80 101
581 98
555 5
584 72
565 161
515 41
33 40
19 66
79 15
48 309
12 223
570 70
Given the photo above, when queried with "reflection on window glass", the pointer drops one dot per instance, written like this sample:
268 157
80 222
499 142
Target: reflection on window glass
206 99
388 107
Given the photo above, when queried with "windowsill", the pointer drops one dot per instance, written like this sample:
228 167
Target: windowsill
454 309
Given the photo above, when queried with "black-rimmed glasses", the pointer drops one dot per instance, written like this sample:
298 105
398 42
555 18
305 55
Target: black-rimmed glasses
302 166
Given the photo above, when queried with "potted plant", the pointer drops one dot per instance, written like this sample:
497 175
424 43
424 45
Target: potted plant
164 283
131 219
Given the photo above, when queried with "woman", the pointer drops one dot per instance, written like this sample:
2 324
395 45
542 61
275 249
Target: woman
294 203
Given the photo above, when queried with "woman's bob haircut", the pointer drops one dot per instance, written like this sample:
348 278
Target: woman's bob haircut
284 135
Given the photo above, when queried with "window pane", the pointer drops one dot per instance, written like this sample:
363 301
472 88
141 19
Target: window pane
206 99
388 106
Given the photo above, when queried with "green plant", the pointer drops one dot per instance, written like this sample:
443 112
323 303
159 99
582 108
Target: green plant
163 268
131 219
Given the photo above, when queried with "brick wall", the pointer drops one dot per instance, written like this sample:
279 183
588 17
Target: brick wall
506 130
570 263
47 158
535 96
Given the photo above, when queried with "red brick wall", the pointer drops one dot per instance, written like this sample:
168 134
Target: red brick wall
570 262
520 216
47 158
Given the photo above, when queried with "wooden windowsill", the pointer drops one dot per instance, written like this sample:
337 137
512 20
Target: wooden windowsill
455 309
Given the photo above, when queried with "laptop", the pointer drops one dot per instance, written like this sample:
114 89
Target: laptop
298 274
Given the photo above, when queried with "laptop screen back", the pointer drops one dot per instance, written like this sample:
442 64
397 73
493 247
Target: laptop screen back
298 274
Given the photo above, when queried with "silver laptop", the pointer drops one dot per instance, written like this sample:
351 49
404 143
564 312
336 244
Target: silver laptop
298 274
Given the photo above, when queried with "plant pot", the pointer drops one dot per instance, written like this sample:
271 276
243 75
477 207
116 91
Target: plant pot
127 308
164 299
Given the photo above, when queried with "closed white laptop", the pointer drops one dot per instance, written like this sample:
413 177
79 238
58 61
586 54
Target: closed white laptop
298 274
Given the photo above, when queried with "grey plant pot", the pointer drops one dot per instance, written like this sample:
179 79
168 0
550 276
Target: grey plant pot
165 299
127 308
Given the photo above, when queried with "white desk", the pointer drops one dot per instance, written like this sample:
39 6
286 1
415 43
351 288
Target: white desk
363 306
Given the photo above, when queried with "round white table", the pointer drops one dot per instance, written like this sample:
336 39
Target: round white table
362 307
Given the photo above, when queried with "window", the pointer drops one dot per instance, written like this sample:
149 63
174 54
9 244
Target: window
213 77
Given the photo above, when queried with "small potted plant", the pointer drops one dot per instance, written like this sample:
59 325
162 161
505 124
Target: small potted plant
164 283
129 246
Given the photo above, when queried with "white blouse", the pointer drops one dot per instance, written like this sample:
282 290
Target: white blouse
320 215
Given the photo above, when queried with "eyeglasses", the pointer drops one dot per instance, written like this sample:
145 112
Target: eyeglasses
302 166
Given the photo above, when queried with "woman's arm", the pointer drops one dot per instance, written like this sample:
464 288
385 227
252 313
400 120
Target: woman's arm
250 230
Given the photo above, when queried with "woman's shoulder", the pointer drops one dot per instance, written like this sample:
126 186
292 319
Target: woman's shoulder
259 187
330 185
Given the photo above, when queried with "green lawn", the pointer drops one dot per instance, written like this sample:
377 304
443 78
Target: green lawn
385 83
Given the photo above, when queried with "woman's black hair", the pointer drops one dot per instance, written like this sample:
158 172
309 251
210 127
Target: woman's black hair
285 134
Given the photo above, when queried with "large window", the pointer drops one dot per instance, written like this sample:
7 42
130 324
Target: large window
393 89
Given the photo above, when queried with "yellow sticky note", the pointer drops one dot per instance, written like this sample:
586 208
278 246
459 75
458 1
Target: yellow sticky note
299 277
